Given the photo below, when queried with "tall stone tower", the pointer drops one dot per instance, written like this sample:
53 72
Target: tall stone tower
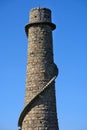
39 111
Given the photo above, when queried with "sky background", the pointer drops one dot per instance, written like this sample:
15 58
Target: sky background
70 55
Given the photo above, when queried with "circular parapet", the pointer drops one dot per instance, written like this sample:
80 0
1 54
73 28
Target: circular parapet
40 15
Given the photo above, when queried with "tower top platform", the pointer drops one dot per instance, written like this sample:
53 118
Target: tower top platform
41 8
39 16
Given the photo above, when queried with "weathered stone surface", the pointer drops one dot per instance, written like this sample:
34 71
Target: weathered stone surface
40 69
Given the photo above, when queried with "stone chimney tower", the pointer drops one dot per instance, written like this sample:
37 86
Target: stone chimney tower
39 112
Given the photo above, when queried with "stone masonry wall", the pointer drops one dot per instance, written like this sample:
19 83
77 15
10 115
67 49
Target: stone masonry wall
40 58
40 69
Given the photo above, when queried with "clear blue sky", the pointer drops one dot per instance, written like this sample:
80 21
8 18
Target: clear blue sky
70 51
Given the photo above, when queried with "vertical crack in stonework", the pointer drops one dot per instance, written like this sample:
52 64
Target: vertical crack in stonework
39 112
